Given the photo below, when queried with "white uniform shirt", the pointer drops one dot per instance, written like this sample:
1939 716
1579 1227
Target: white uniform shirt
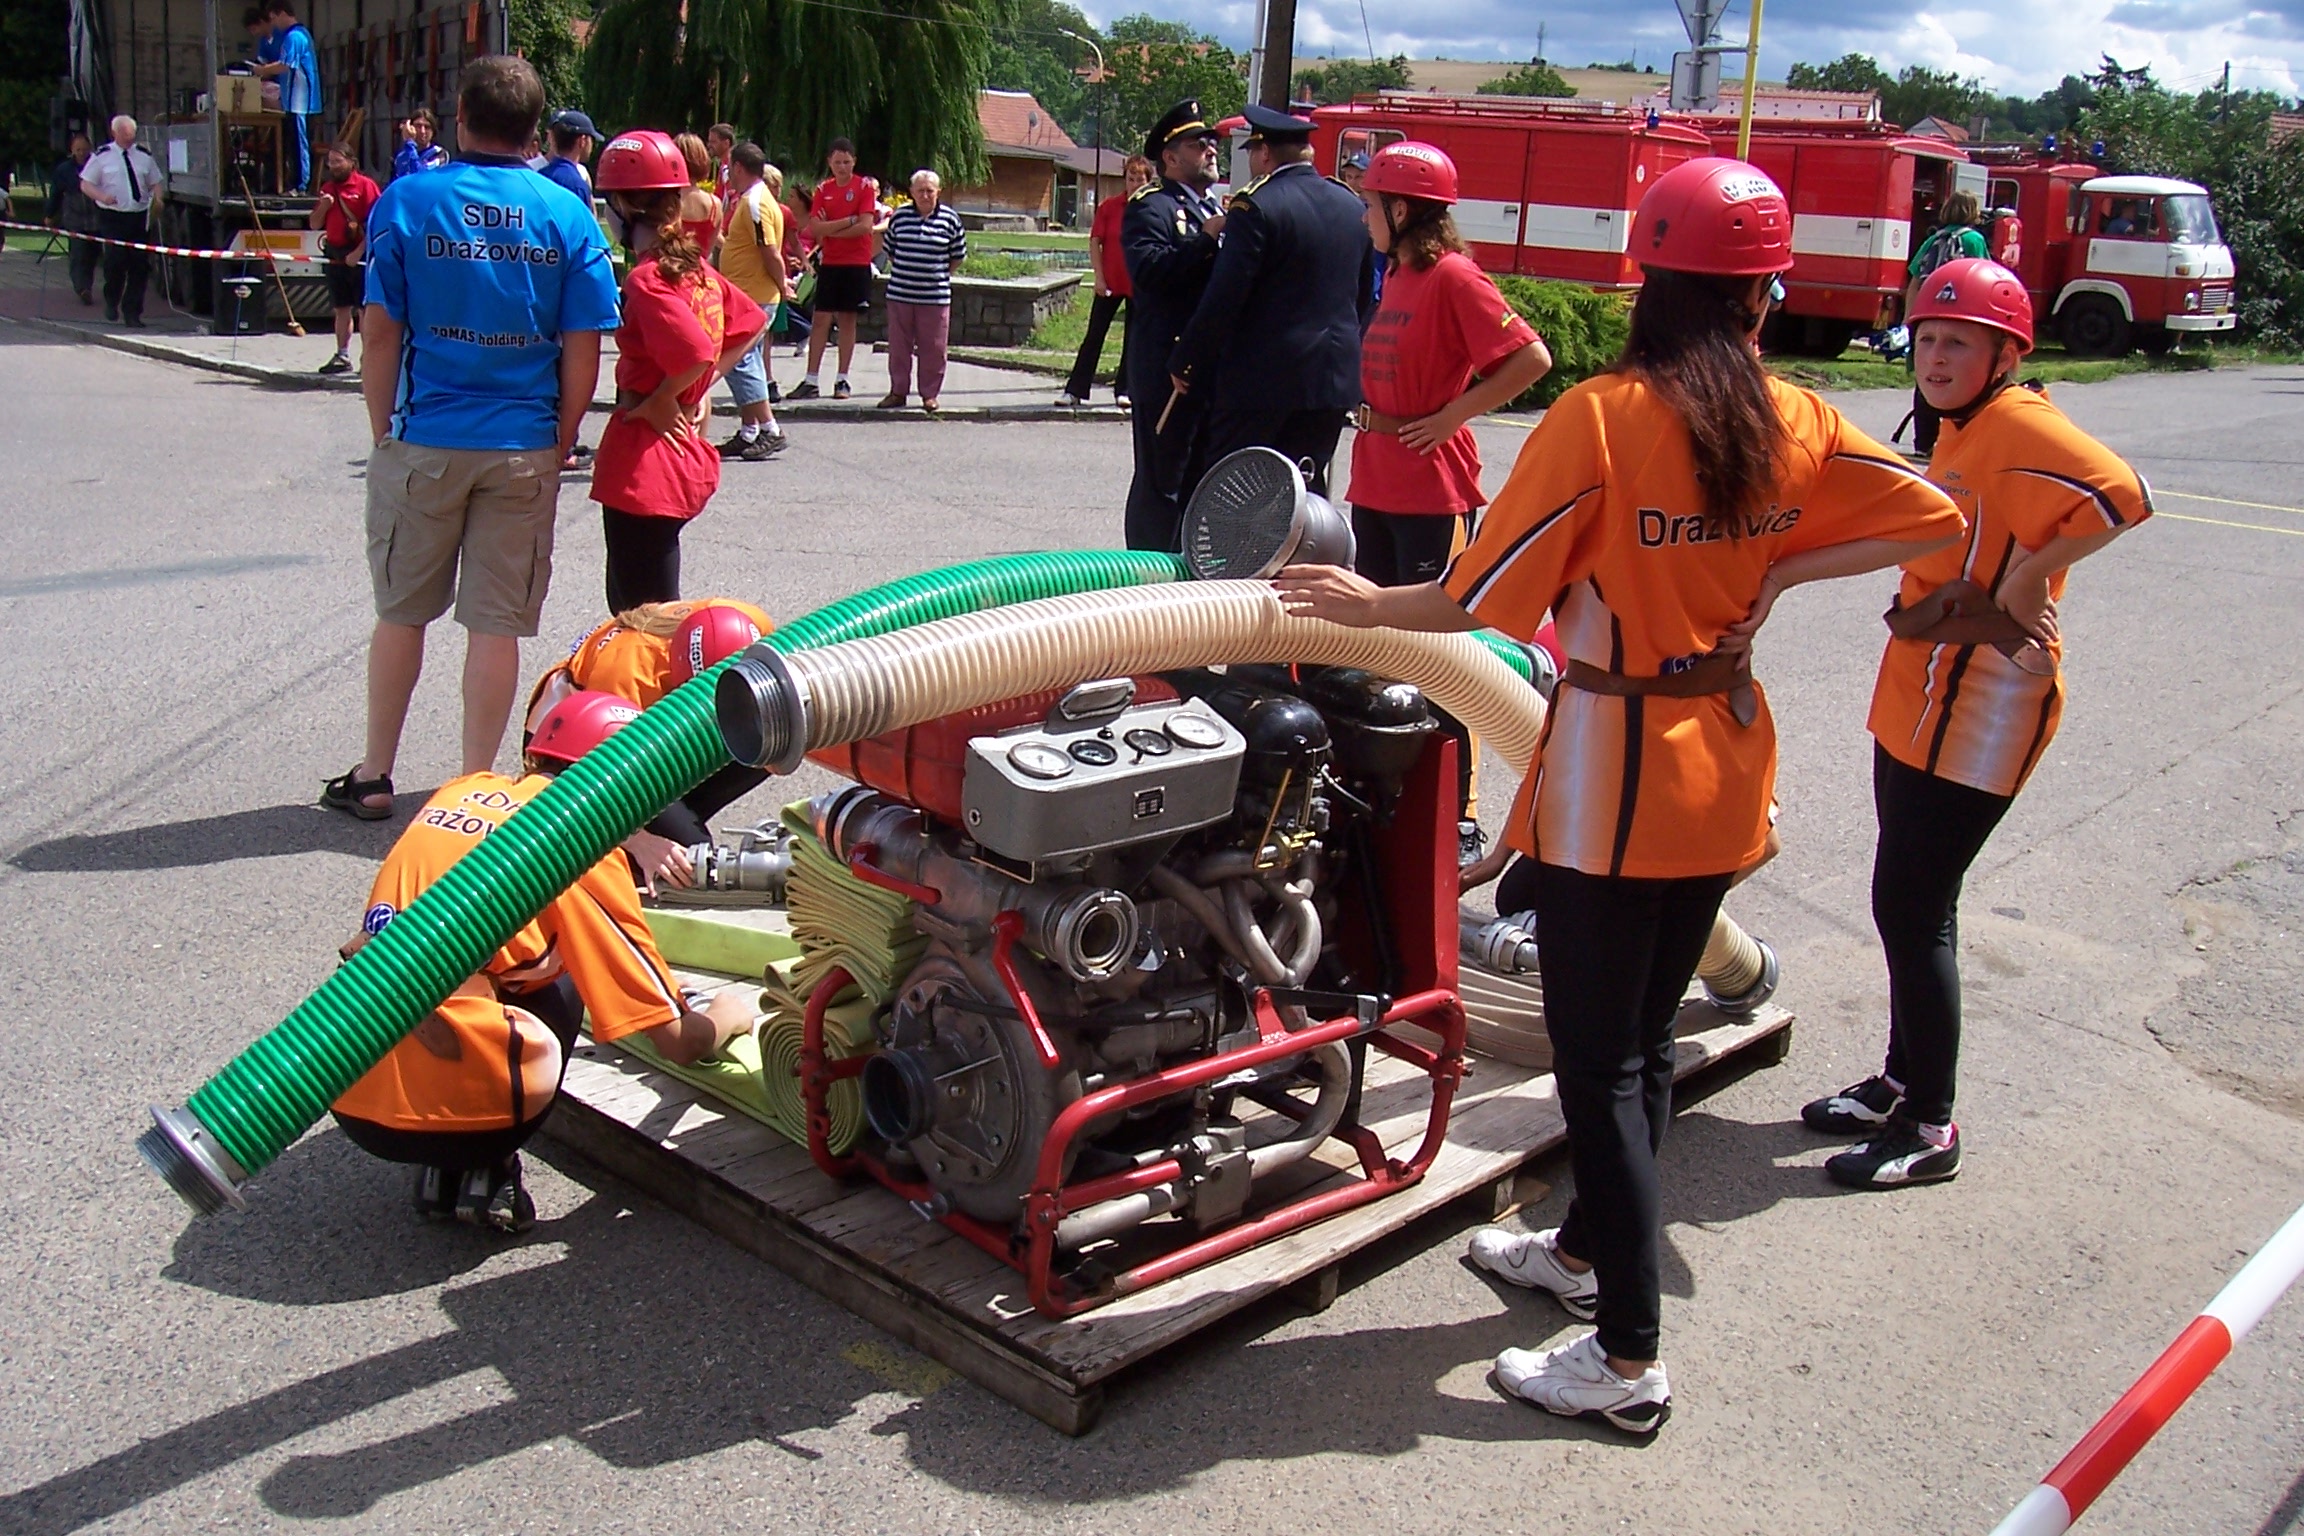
107 172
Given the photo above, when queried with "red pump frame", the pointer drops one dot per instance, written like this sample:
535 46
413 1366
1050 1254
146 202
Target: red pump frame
1033 1252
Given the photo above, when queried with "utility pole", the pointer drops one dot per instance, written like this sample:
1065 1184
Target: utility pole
1279 42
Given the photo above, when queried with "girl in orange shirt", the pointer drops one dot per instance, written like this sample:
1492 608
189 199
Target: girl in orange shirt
1656 512
1969 694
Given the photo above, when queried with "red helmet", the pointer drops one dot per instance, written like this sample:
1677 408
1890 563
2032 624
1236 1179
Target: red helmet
712 633
1974 289
642 160
578 723
1716 216
1410 169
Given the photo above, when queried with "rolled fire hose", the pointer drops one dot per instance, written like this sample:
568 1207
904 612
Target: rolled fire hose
776 707
279 1086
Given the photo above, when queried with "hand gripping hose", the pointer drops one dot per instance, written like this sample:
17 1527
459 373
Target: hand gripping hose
776 707
277 1088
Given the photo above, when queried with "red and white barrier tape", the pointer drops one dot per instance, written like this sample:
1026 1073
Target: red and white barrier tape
162 250
2105 1451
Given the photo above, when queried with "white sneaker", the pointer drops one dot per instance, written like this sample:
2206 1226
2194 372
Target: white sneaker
1069 401
1576 1382
1532 1259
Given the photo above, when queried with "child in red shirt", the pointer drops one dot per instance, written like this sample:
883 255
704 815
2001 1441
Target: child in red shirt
340 213
1440 327
684 324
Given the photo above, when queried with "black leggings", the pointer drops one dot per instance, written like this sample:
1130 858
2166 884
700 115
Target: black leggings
1931 830
1616 955
562 1012
1401 549
1101 311
684 819
643 558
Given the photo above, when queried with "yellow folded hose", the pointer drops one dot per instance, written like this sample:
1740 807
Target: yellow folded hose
775 708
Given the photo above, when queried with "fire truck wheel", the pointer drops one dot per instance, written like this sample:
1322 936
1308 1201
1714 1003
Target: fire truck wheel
2092 326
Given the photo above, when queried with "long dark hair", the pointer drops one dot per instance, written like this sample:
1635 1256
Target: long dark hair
1691 342
1425 232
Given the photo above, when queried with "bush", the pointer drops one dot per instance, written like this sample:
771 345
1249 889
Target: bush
1529 80
1001 265
1584 330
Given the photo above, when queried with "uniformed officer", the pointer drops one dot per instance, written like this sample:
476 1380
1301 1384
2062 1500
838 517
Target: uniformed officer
1168 239
1273 352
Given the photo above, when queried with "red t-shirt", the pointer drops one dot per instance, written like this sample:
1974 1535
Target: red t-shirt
668 329
834 202
345 224
1434 330
1104 233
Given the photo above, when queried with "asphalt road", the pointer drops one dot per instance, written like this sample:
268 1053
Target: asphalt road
186 612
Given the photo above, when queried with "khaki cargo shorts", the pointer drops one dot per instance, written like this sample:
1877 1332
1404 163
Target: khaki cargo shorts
472 525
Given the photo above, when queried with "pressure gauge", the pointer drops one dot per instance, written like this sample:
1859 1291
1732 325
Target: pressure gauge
1195 731
1148 743
1038 760
1096 754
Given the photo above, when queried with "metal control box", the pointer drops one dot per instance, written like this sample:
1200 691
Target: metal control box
1152 770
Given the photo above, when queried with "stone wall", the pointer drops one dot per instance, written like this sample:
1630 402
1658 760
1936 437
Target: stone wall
988 312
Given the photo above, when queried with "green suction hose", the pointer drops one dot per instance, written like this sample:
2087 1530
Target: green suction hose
278 1087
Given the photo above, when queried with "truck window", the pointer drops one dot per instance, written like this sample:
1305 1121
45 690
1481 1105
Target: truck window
2190 220
2126 218
2076 218
1363 141
2001 194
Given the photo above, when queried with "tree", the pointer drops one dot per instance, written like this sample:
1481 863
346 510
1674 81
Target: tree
1343 79
1156 64
1030 52
1919 92
1854 72
796 75
1529 80
32 61
542 32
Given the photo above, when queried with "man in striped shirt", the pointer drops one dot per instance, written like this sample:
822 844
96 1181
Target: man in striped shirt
926 244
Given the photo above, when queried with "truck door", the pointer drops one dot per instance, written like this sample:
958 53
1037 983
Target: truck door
1577 226
1490 170
1851 229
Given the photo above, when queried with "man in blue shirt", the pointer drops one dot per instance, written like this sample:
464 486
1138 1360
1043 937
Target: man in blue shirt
417 152
572 139
488 288
297 68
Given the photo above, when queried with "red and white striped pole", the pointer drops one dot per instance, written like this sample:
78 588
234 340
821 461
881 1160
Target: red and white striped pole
2105 1451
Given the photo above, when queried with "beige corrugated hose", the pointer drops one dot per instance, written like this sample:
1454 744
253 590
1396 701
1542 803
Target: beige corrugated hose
861 688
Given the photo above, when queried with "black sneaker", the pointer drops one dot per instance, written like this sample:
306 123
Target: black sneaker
1471 840
775 395
1855 1111
337 364
804 390
112 313
493 1197
434 1196
735 446
1898 1155
840 389
762 448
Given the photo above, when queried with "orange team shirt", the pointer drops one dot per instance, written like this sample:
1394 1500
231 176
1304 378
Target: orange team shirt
633 664
1601 523
593 931
2025 475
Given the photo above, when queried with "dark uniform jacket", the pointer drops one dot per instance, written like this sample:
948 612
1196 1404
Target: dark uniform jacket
1279 326
1168 261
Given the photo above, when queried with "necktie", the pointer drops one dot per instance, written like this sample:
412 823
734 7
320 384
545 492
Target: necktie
135 188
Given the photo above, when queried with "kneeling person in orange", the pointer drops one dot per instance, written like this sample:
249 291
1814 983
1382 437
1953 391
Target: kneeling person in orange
1970 691
1656 511
474 1080
643 654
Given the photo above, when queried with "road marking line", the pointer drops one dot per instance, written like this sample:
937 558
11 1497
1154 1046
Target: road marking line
2294 533
2226 501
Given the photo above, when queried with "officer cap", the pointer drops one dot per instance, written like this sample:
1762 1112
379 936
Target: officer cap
1183 120
1275 125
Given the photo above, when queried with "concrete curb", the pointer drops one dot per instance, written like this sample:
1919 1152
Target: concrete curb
806 410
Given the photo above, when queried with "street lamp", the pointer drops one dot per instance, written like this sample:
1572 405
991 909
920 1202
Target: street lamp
1103 78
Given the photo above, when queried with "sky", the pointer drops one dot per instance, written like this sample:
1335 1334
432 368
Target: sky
2022 46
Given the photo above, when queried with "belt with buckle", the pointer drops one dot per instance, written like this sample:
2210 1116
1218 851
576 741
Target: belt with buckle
1721 673
1963 613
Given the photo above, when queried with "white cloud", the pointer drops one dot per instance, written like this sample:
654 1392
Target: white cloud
2015 45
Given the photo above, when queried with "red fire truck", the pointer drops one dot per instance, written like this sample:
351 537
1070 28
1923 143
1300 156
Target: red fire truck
1864 194
2111 261
1548 186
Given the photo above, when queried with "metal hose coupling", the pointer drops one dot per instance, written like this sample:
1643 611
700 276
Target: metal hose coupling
762 709
1504 945
196 1166
1739 972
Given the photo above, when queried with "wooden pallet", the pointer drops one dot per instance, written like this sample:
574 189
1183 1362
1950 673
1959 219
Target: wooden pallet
866 1249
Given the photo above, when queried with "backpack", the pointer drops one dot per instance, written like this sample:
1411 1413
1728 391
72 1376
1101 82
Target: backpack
1939 248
